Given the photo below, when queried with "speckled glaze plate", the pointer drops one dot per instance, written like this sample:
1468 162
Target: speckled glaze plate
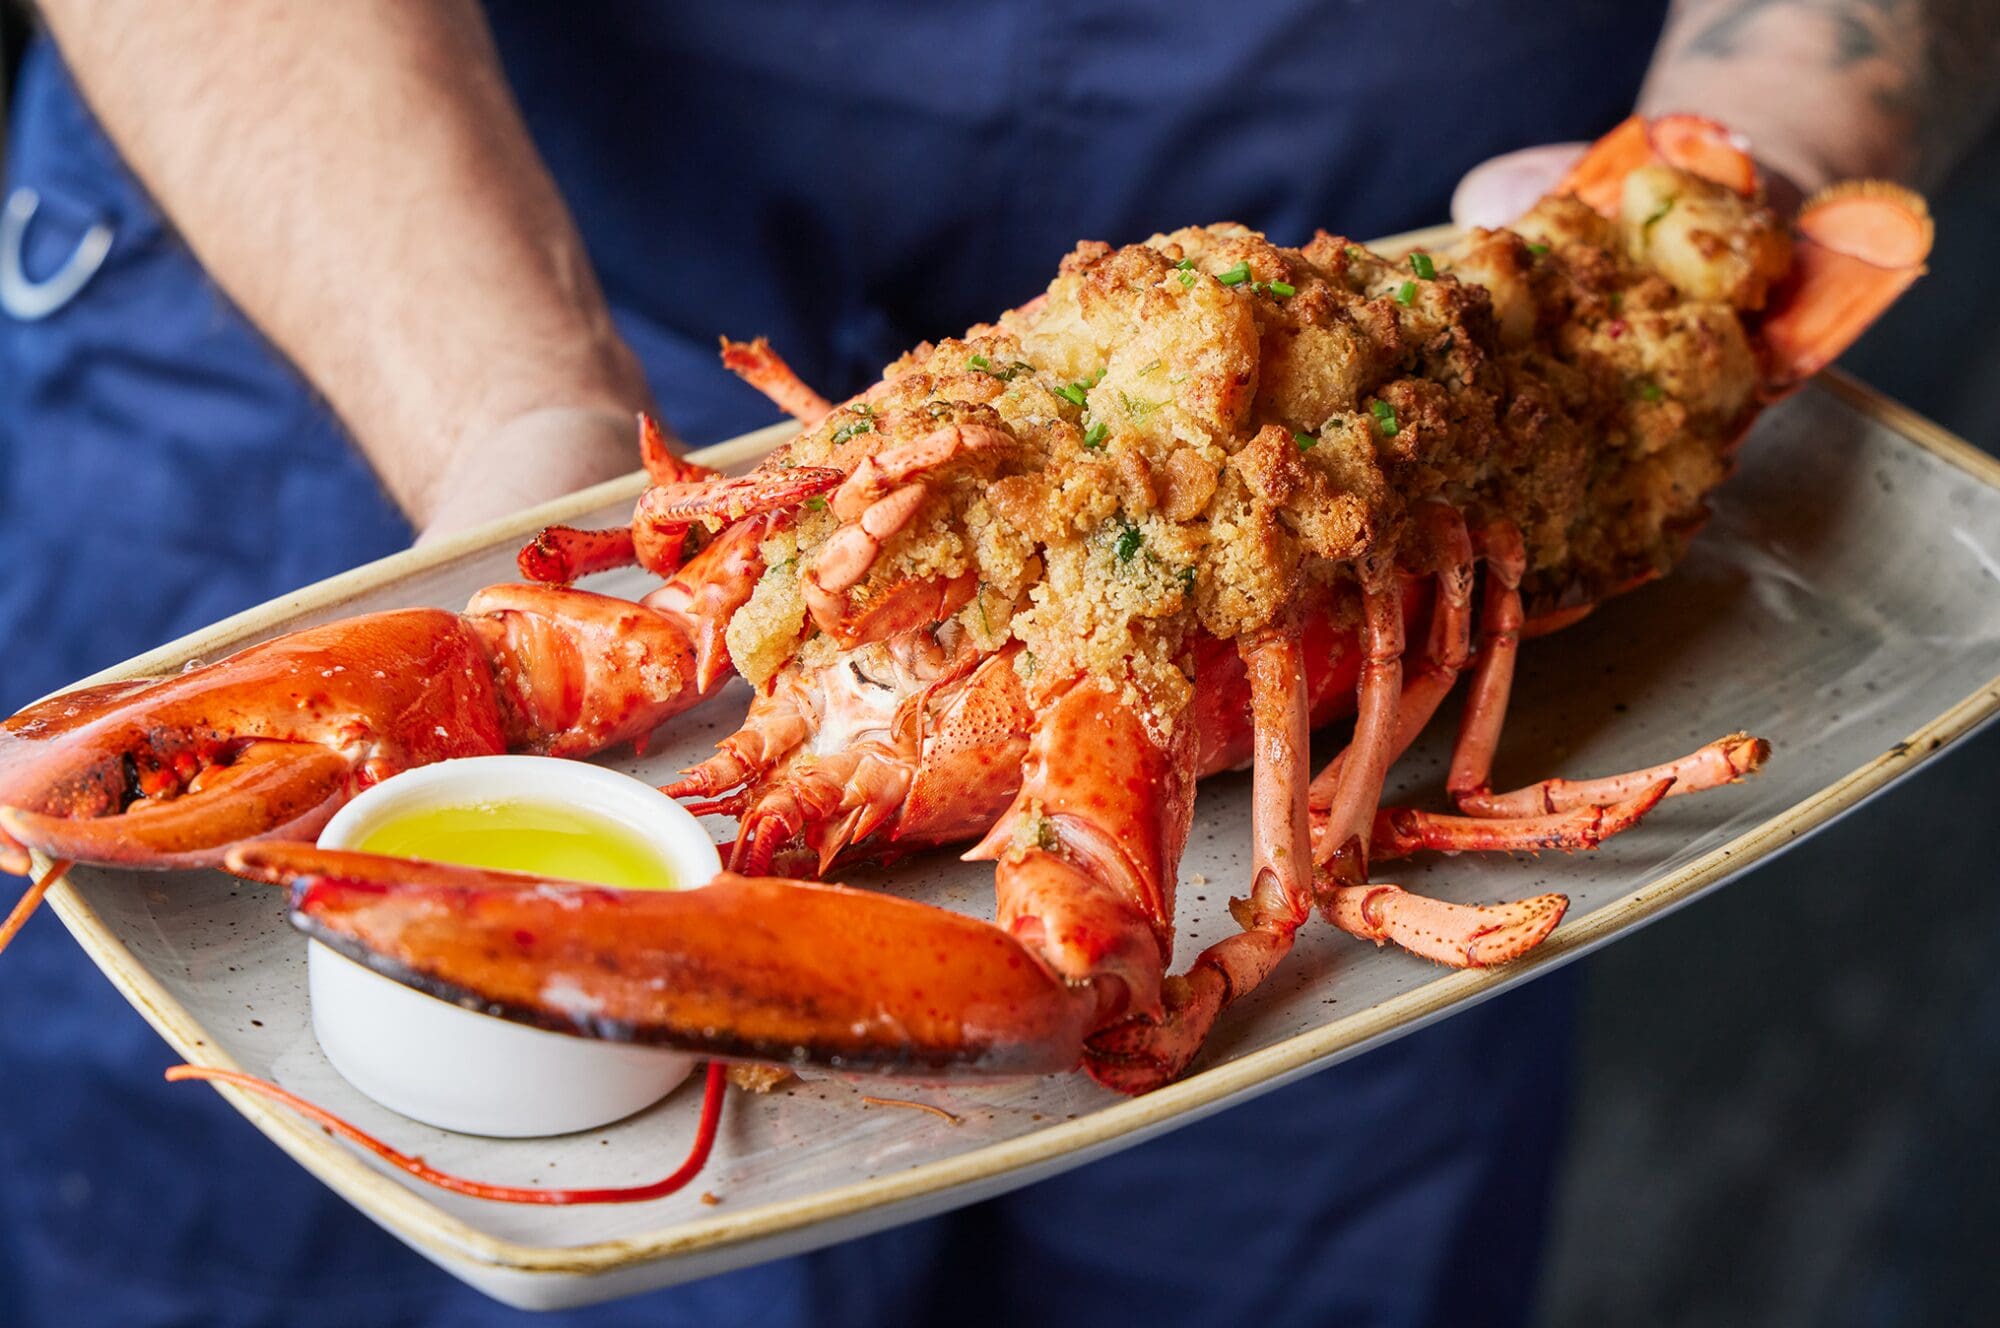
1844 603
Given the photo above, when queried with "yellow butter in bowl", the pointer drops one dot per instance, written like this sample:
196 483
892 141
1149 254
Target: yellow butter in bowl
563 843
463 1069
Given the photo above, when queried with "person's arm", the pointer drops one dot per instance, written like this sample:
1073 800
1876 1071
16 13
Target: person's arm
1836 89
357 177
1825 90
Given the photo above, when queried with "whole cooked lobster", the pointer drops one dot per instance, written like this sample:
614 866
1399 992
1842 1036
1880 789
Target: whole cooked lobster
1203 496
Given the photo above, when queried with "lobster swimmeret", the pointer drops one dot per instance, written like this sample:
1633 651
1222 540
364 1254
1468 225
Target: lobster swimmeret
1177 512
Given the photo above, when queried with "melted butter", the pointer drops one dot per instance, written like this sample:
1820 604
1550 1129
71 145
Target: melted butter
562 843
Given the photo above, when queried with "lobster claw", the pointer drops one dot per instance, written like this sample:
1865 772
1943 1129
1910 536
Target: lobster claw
271 741
754 967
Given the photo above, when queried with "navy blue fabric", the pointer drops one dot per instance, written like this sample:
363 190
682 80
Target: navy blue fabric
848 179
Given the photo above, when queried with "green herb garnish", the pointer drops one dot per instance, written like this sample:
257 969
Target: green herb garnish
1187 580
979 362
850 429
816 503
1406 294
1421 264
1235 276
1072 393
1305 441
1385 418
1537 248
1646 227
1129 540
1187 279
1651 390
1094 436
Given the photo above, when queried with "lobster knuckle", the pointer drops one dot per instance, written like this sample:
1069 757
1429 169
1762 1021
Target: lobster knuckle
581 672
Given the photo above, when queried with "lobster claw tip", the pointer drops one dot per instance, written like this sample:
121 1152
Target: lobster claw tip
272 788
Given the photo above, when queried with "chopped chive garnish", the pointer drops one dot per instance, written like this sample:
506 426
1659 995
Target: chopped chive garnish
1235 276
1651 390
1385 418
1185 264
1406 294
1646 227
1305 441
1187 279
817 503
1421 265
1354 252
979 362
1187 580
1282 289
1129 540
1072 393
1098 377
1094 436
847 431
1537 248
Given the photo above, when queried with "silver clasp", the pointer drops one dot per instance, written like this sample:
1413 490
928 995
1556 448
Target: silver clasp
29 300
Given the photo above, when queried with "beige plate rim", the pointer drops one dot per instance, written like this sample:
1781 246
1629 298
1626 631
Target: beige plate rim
415 1219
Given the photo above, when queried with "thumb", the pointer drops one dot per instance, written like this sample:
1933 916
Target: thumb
1496 192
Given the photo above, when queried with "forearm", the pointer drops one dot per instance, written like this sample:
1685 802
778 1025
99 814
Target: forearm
1836 89
357 178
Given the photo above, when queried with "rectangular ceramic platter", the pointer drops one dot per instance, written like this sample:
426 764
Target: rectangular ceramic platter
1844 603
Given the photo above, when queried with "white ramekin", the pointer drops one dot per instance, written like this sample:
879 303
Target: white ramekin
451 1067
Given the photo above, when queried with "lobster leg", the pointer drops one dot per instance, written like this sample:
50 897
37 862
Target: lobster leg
879 499
1401 831
1342 846
764 369
1458 935
1723 761
1446 650
1145 1051
1499 544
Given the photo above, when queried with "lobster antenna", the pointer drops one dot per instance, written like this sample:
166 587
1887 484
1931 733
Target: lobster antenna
30 900
697 1158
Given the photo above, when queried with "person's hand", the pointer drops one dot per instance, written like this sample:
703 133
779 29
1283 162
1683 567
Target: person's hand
530 459
1497 191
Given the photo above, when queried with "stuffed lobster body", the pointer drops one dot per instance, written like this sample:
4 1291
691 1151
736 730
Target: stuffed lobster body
1204 495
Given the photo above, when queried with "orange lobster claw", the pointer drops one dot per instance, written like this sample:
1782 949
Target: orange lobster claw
167 773
763 968
288 789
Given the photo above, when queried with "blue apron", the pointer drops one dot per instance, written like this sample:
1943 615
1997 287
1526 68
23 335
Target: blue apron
847 179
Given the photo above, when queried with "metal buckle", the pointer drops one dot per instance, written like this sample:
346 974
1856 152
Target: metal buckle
31 300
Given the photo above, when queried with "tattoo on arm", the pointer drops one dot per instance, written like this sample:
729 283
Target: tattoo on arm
1931 67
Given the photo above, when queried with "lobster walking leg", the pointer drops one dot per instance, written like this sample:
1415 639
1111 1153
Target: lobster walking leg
1447 647
1144 1052
1459 935
1499 544
1723 761
764 369
1342 847
1401 831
